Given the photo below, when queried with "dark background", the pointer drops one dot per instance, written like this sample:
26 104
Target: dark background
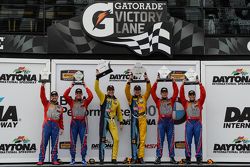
218 18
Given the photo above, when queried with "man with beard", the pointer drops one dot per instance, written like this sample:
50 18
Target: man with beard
52 125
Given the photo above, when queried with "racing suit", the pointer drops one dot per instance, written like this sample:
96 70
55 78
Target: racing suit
193 125
110 107
78 124
53 122
138 107
165 120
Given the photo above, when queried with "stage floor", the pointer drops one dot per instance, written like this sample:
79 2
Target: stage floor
120 164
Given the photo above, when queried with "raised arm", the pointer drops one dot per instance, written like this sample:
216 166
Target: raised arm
148 89
182 95
68 99
202 94
153 92
90 96
175 94
128 93
43 96
98 91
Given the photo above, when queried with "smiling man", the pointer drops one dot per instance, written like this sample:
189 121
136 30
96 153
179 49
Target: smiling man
138 107
52 125
165 107
110 108
193 127
78 124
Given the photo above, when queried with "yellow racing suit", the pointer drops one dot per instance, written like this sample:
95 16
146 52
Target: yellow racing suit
138 107
110 107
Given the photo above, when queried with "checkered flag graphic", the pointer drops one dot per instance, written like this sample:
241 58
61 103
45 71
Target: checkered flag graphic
157 39
70 33
226 46
25 44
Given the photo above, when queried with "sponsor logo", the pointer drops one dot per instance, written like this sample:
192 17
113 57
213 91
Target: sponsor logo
1 42
238 77
21 75
64 145
149 122
234 118
20 145
107 145
240 145
180 144
178 75
68 75
179 113
138 25
8 117
123 18
150 146
120 77
241 139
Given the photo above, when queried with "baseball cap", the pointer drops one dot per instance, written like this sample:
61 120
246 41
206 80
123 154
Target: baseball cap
78 90
164 89
191 92
53 93
137 87
110 87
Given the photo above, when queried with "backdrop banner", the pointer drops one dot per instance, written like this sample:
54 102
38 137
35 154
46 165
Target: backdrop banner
21 110
226 112
62 72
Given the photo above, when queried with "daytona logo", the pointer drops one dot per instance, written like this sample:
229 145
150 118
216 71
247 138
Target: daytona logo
239 77
240 145
20 75
235 119
21 144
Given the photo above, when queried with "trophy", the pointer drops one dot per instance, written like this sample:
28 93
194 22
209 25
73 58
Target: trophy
78 78
44 76
103 68
138 71
163 74
191 77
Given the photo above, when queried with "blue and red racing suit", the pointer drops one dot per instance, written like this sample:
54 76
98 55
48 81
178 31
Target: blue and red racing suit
78 123
193 125
53 122
165 120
